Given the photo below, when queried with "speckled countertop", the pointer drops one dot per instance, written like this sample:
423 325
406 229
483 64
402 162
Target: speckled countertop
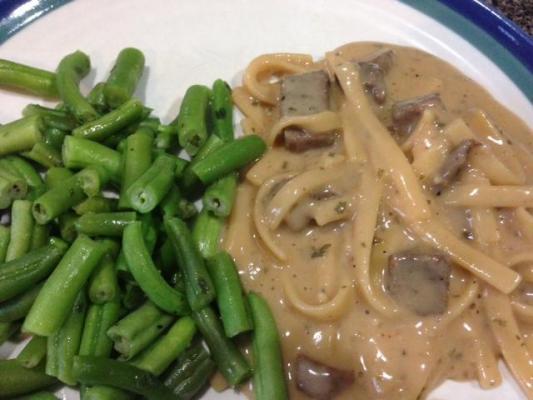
518 11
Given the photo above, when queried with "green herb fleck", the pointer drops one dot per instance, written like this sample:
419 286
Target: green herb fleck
340 207
319 251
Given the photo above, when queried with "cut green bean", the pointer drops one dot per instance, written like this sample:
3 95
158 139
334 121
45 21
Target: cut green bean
18 307
93 179
160 355
222 110
133 295
104 371
230 298
26 170
54 138
20 77
21 229
100 392
105 224
228 158
198 285
96 204
55 176
151 187
230 362
14 185
103 285
113 122
44 154
80 153
100 317
17 380
33 353
174 204
219 197
7 329
166 139
181 165
67 227
63 345
19 275
146 274
206 233
58 294
124 77
137 158
96 98
137 330
39 236
70 71
52 118
20 135
191 122
5 235
269 377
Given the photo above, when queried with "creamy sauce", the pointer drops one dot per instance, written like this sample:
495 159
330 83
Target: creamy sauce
400 356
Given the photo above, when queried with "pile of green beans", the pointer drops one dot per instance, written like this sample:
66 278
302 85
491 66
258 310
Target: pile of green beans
105 260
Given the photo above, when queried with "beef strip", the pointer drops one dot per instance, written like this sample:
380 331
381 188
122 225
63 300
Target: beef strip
419 282
320 381
452 165
382 58
298 141
373 79
407 113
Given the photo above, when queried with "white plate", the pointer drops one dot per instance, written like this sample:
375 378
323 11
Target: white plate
197 41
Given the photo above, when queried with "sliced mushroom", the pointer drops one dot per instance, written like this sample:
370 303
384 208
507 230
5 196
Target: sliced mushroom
304 94
320 381
383 58
452 165
373 79
407 113
419 282
298 141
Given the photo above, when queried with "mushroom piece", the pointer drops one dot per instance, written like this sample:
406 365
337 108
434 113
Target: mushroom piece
407 113
298 141
373 79
383 58
419 282
320 381
452 165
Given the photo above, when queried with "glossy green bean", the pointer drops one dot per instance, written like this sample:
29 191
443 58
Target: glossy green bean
219 197
54 138
100 317
52 118
17 380
55 176
20 77
33 353
175 204
96 98
103 284
206 233
100 392
105 224
43 154
20 135
5 235
67 227
124 77
222 110
21 229
18 307
95 204
26 170
59 292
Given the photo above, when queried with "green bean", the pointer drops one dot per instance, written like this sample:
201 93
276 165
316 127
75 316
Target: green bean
147 276
113 122
17 380
133 296
190 372
7 329
67 227
103 371
21 229
222 110
19 275
36 192
55 176
230 362
165 139
230 298
228 158
136 160
199 287
96 98
181 165
124 77
16 187
70 71
64 343
5 235
191 122
103 285
138 329
93 179
62 197
20 135
27 79
151 187
80 153
269 377
39 396
160 355
18 307
39 236
26 170
219 197
43 154
51 117
174 204
105 224
96 204
58 294
100 392
33 353
206 233
54 138
100 317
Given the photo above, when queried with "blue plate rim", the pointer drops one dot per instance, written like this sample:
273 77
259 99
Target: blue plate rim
501 40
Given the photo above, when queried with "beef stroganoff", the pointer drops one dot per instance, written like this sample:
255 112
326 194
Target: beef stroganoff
388 224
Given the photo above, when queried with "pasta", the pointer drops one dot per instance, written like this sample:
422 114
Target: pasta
389 223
